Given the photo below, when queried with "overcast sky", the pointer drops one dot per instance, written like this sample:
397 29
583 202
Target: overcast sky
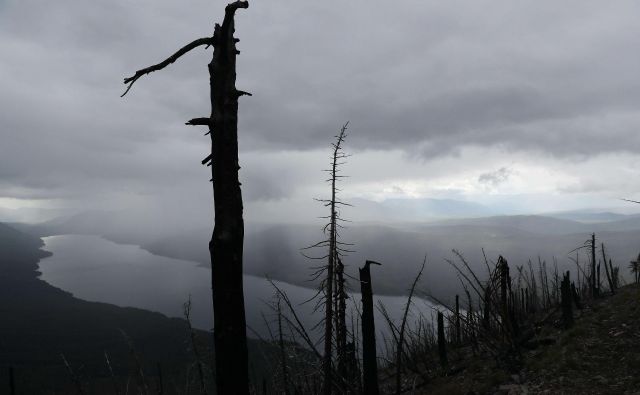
527 103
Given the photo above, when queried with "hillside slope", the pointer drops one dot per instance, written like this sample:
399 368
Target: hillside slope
40 322
600 354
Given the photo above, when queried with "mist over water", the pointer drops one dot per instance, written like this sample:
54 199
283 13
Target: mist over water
96 269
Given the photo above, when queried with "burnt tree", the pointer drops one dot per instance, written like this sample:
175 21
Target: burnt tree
594 287
609 273
369 358
332 292
226 245
458 334
341 324
332 282
566 301
442 345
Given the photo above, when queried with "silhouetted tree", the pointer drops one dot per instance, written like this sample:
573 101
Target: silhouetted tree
634 267
332 284
566 301
594 280
369 359
608 269
341 324
458 333
226 245
442 346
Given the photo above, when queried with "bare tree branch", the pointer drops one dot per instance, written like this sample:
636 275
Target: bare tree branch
194 44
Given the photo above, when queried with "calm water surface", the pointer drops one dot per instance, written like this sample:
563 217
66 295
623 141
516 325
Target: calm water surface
95 269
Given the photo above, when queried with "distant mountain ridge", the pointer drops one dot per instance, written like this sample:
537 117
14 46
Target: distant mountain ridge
416 210
528 223
590 216
275 250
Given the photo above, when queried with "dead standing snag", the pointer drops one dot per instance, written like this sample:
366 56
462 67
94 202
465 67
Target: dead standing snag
226 245
369 359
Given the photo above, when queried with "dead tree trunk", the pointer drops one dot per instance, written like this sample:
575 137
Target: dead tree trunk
503 270
328 323
594 289
567 305
330 292
442 346
471 323
599 283
609 273
614 274
458 331
369 359
226 245
341 328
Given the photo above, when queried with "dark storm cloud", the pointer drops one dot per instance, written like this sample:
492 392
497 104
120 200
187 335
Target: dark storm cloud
430 77
426 77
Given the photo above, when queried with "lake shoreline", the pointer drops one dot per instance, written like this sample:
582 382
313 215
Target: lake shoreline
94 268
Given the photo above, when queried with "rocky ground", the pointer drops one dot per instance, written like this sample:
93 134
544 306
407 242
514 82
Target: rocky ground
600 354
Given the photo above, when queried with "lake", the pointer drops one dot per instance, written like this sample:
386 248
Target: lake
95 269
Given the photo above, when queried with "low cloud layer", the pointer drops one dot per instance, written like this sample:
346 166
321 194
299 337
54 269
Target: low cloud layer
432 89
